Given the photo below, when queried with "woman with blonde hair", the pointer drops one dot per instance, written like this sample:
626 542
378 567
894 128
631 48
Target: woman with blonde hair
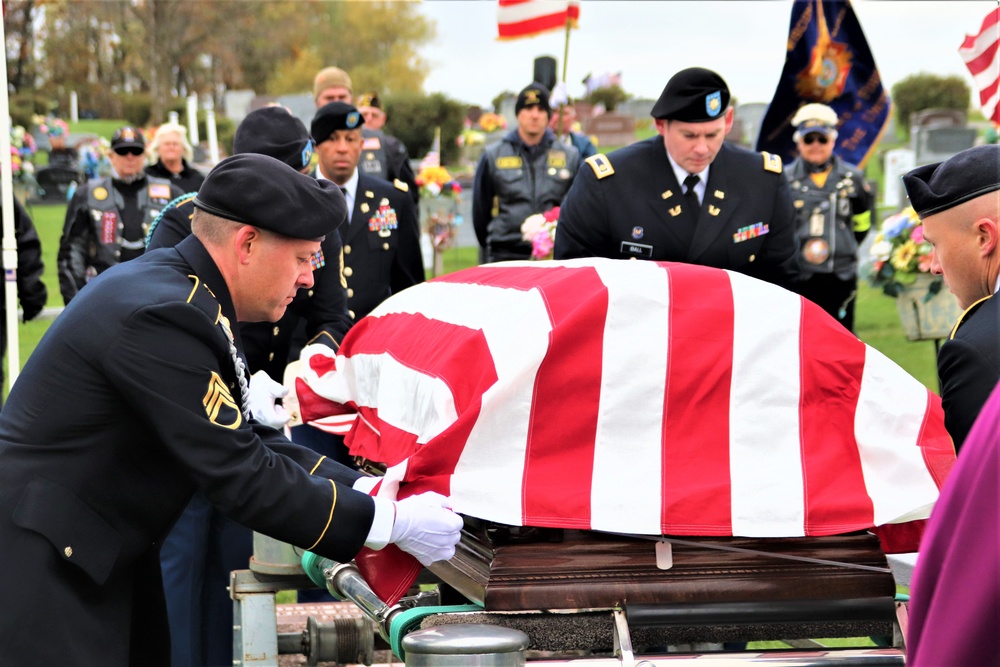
169 155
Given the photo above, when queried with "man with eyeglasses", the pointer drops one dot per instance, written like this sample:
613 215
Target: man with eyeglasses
833 203
686 195
107 219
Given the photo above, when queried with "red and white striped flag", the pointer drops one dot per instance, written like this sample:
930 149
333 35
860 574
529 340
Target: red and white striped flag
633 397
980 55
433 157
526 18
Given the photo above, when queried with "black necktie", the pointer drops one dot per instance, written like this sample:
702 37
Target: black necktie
349 211
689 193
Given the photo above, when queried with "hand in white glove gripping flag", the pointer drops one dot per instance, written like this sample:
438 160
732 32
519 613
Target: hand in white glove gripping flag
262 397
426 527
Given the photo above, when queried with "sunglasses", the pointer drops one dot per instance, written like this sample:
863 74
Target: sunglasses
813 138
130 150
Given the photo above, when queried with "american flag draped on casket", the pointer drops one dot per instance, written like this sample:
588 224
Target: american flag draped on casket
632 397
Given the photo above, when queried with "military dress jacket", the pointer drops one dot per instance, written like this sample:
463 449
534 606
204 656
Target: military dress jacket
92 237
320 311
969 366
384 156
381 245
628 204
130 403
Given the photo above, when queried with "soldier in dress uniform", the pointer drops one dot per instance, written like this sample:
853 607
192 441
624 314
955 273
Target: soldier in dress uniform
382 235
685 196
107 219
529 171
834 206
205 546
383 156
137 396
958 201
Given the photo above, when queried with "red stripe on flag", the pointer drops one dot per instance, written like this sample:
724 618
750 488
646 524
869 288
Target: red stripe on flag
983 60
935 442
989 91
970 40
540 17
696 480
457 355
832 363
567 394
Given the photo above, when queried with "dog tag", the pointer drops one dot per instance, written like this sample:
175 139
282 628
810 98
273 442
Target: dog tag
664 555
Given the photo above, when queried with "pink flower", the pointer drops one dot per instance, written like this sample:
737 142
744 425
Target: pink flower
917 234
541 245
552 215
924 265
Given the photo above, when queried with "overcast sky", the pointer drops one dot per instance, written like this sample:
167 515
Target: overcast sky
648 41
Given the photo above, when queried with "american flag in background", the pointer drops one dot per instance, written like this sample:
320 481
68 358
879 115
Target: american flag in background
633 397
980 55
526 18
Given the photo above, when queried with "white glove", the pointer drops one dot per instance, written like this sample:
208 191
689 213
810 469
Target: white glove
262 395
426 528
559 95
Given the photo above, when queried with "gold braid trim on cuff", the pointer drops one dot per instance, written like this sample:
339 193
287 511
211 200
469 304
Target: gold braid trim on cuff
329 519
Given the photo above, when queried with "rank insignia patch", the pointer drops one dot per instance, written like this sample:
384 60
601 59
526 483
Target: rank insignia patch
219 404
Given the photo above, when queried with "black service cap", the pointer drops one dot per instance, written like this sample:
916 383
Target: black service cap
933 188
264 192
335 116
276 132
533 95
693 95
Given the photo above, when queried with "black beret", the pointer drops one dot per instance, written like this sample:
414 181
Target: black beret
264 192
533 95
128 137
933 188
693 95
276 132
335 116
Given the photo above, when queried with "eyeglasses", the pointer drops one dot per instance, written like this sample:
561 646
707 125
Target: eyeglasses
813 138
129 150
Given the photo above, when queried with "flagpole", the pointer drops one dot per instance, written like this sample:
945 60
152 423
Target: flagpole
565 66
9 244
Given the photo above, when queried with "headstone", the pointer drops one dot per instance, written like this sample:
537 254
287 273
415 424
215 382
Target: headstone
898 161
611 129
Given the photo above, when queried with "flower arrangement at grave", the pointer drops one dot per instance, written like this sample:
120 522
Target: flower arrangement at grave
439 195
492 122
22 150
540 231
900 254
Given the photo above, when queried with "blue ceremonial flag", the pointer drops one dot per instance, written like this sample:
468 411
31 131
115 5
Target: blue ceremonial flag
828 61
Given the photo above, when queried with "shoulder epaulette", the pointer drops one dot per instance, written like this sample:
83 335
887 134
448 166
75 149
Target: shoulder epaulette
772 162
177 202
400 185
601 165
968 311
202 296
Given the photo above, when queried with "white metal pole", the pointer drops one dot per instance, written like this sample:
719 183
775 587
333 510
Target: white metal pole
192 114
9 241
74 108
213 139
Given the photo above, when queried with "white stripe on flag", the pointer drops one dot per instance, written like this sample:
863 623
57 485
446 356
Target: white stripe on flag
405 398
765 455
516 326
527 11
887 424
627 498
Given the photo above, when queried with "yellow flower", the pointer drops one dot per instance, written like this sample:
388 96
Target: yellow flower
904 255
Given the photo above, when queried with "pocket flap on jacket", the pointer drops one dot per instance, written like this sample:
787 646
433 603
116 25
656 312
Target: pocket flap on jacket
78 533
